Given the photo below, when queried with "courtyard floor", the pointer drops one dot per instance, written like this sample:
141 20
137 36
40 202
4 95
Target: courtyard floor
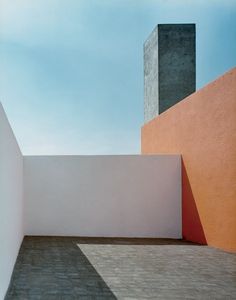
65 268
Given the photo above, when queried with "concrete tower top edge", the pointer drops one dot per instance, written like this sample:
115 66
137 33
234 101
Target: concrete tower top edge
149 38
167 26
176 24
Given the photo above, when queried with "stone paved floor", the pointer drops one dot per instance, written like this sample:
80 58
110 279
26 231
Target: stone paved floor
79 268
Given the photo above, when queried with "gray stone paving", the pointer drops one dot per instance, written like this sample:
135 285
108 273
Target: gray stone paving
165 272
79 268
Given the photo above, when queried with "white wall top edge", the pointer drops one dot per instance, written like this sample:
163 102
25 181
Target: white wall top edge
102 155
4 115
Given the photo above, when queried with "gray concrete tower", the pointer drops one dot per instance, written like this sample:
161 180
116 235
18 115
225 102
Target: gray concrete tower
169 67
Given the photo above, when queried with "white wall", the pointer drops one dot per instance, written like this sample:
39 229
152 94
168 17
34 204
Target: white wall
127 196
11 201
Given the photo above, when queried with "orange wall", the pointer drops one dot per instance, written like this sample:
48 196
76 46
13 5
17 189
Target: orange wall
202 128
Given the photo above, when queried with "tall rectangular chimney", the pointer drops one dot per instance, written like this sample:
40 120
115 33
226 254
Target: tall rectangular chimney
169 67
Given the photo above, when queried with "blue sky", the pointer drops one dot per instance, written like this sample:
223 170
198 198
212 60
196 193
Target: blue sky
71 71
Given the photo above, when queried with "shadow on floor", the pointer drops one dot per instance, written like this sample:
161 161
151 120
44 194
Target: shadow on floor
112 240
55 268
58 268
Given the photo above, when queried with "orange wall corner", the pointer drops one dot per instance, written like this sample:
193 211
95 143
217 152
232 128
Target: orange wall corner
202 127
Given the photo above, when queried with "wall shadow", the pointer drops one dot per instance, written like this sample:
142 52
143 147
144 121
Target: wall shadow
54 268
192 228
116 240
133 241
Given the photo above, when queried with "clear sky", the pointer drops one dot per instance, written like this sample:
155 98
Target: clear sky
71 71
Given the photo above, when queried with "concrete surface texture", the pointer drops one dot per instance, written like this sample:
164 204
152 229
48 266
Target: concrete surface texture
72 268
11 201
151 79
169 67
202 128
120 195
